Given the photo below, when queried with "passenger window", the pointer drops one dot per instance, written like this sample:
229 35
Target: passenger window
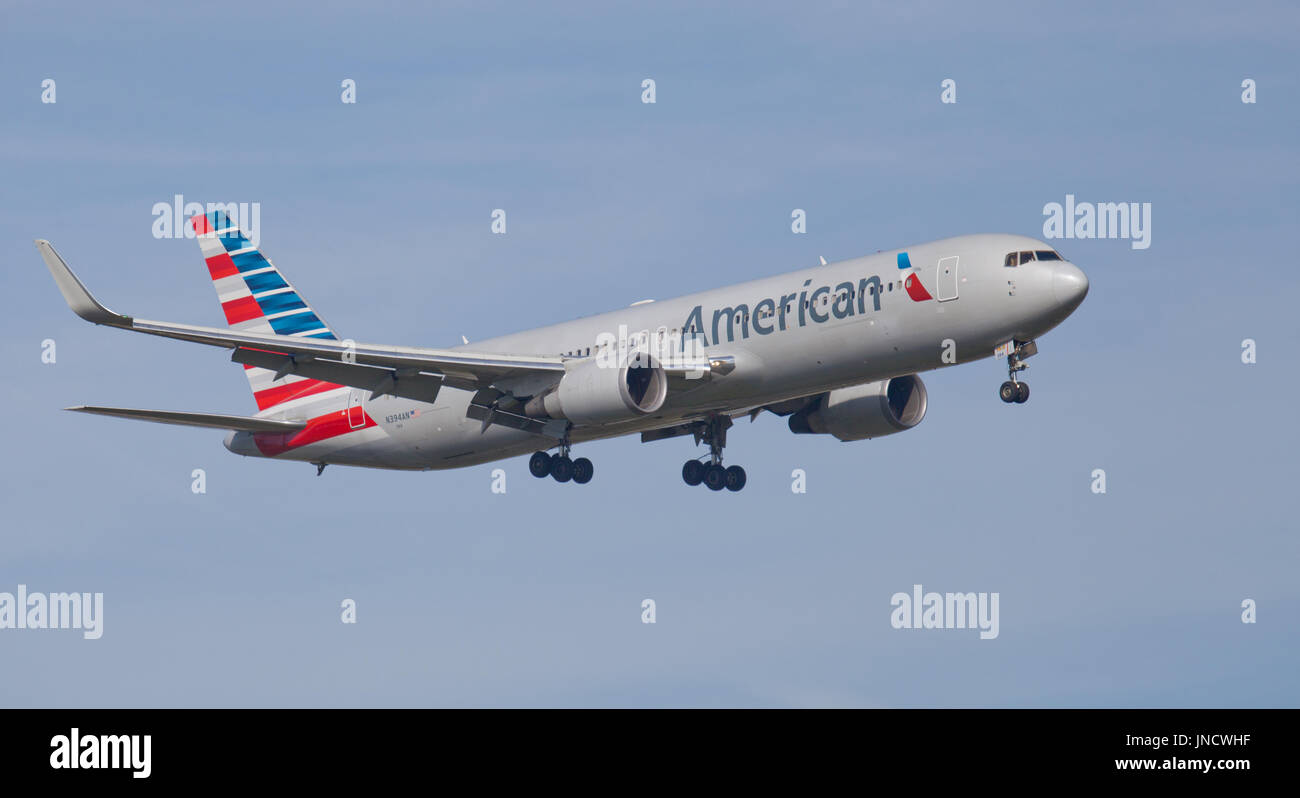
1011 260
1025 257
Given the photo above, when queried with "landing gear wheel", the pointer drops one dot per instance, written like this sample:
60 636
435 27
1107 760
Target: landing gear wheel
693 472
539 465
735 478
561 468
715 477
1013 390
582 470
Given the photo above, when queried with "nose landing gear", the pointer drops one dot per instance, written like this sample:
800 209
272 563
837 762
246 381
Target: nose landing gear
1013 390
1017 392
713 475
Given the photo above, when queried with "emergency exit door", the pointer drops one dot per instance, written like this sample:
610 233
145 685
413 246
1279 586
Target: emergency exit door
356 414
946 279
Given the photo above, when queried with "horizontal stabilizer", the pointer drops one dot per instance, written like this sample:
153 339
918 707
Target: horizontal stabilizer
211 420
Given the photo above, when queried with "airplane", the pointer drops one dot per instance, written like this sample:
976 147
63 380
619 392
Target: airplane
836 349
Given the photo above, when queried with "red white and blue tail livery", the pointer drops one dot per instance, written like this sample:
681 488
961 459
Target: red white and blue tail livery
256 297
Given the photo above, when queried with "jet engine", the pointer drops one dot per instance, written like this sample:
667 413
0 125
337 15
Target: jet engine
593 392
864 411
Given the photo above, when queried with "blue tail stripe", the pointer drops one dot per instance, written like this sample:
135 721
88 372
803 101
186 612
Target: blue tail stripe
266 281
299 322
218 220
279 303
234 240
249 261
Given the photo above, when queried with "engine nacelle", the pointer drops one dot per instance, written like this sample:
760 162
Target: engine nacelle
595 393
864 411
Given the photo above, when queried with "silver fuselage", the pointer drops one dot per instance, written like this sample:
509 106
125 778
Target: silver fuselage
824 345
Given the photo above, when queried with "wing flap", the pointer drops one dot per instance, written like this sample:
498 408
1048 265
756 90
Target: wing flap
469 368
410 384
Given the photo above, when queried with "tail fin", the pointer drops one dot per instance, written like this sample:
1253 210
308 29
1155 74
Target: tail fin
257 298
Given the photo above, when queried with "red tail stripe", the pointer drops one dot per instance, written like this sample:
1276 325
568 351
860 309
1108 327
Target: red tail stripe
270 397
241 309
221 266
200 224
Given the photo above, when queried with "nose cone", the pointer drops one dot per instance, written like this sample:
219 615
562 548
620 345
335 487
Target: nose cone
1069 285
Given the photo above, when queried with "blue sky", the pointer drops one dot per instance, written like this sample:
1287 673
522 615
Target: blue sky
380 212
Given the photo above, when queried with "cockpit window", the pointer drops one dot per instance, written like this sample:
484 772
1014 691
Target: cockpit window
1027 256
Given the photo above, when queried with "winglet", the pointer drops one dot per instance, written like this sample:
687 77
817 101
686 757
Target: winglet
75 294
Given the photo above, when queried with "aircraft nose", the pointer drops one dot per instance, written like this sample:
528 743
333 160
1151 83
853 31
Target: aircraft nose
1069 285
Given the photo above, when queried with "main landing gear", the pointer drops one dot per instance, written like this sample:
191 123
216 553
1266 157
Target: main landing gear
1013 390
712 474
560 467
